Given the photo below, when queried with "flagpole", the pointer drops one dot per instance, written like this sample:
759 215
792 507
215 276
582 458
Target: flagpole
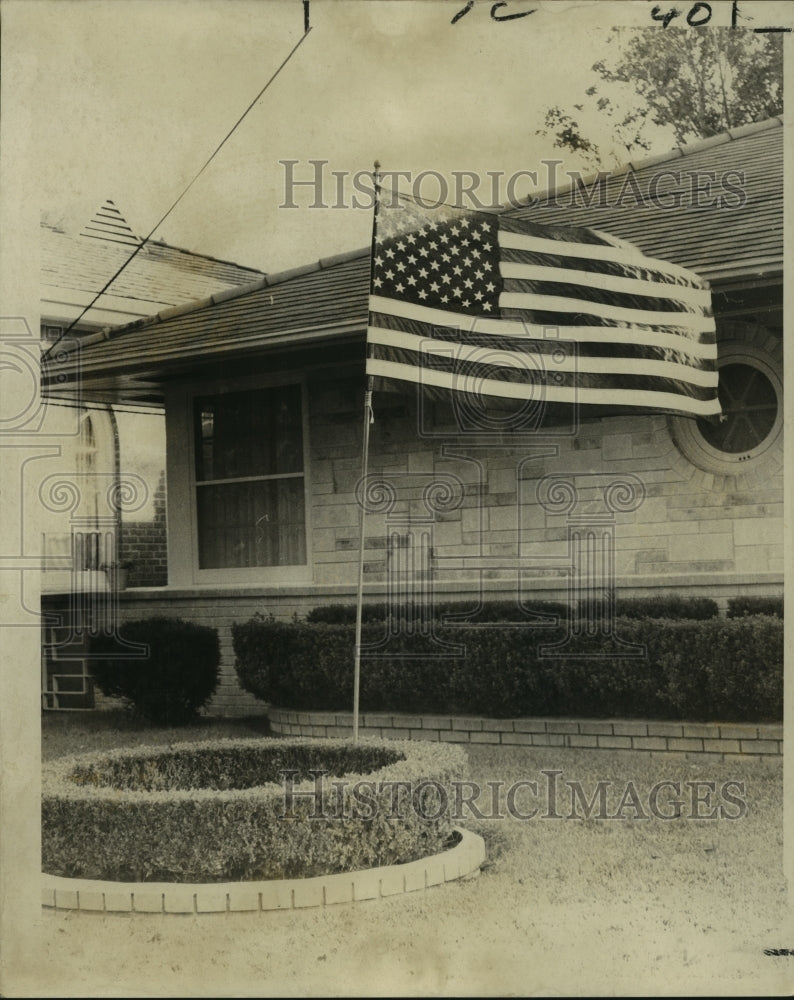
368 420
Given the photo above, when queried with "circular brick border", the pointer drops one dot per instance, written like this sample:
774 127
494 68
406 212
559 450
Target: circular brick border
463 859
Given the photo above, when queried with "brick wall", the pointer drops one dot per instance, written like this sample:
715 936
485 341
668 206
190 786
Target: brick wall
144 545
728 741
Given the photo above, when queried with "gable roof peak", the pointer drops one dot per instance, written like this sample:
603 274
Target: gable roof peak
110 225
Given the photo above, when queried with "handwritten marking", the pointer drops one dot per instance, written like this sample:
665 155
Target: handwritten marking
699 10
697 16
494 8
664 18
696 9
700 14
507 17
460 13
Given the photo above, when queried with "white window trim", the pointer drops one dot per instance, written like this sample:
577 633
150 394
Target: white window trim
765 457
246 575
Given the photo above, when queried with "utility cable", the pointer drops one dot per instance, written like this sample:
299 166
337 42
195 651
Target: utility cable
143 243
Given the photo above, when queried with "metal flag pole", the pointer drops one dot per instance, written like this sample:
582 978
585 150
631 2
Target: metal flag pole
369 419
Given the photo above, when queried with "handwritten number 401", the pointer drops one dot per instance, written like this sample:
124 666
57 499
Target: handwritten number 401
699 13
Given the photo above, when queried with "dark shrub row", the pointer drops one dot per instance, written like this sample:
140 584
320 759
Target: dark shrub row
672 606
490 611
718 669
138 830
164 669
738 607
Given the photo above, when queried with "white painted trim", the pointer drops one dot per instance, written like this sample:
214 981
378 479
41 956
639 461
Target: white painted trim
186 570
459 861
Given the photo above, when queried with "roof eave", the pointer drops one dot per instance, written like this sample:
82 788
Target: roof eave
167 365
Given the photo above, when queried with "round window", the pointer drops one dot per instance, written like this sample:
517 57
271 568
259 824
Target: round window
748 432
749 409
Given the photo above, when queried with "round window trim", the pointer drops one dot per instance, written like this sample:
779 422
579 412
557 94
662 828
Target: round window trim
701 452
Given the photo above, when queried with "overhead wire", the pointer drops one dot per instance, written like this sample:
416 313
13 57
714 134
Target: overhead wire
145 240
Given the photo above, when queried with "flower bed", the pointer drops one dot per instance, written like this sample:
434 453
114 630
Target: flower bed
223 810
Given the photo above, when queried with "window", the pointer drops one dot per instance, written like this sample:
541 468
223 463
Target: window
749 432
87 447
249 468
749 410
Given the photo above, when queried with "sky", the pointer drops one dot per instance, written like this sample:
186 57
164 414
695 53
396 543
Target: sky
130 97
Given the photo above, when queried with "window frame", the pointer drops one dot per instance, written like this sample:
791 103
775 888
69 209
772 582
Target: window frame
248 575
701 453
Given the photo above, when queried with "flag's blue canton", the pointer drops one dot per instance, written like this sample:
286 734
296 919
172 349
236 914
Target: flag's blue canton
452 264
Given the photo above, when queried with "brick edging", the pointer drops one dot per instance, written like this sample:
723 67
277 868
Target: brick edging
459 861
728 740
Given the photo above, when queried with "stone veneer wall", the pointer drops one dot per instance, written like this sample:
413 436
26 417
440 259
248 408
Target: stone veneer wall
688 523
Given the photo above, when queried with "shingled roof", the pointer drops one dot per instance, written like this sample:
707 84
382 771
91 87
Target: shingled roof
327 301
305 305
738 236
74 267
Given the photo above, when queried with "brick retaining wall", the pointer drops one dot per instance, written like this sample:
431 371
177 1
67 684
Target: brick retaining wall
728 740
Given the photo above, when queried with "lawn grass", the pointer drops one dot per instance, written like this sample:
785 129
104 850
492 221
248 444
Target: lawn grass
570 905
79 732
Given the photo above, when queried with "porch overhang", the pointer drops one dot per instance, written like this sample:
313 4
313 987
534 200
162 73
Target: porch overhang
279 321
143 381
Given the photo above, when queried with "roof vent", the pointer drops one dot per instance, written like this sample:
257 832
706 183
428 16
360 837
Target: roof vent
109 224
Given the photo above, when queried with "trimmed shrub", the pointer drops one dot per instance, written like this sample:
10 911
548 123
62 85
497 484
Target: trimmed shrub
219 811
713 669
169 685
671 606
503 611
465 611
738 607
345 614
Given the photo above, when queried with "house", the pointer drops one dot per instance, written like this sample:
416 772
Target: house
81 545
263 388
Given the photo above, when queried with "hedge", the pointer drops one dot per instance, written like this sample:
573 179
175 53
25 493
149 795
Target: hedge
489 611
217 811
669 606
729 670
177 677
738 607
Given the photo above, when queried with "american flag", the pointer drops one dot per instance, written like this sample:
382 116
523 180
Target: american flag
490 305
